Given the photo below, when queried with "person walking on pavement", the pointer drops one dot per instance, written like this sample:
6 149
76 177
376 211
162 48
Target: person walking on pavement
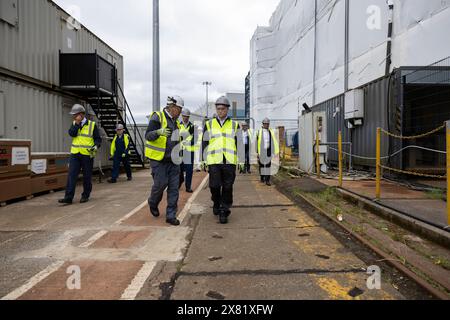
247 136
189 146
86 141
267 148
221 146
120 153
163 150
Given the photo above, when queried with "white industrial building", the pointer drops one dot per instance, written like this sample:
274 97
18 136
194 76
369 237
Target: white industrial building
314 51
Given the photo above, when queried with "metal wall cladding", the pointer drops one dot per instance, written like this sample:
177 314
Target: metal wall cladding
31 48
41 116
363 138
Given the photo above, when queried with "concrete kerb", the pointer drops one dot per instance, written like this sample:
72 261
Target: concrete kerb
427 231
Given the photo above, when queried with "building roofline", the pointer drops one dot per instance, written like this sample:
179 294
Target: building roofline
85 28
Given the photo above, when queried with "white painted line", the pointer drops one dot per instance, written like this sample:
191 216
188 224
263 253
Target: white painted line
93 239
136 285
132 213
16 294
191 200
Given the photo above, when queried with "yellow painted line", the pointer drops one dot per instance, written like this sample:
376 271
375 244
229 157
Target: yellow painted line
334 290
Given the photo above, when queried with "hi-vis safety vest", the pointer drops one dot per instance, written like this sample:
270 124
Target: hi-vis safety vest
275 145
188 139
155 150
113 144
222 142
82 143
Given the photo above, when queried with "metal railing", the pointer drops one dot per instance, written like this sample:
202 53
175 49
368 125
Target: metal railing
138 139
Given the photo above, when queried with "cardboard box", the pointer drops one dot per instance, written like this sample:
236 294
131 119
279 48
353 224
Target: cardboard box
49 163
15 156
15 188
44 183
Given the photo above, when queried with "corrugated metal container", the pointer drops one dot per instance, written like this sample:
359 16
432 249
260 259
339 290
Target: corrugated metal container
363 138
31 47
39 115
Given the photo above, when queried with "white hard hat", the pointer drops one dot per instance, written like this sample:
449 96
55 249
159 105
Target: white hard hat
186 113
266 121
77 108
120 127
175 100
244 124
223 101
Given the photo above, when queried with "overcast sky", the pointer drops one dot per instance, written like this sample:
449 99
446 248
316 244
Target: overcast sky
200 40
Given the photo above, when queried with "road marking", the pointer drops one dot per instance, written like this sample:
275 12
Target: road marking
132 213
16 294
138 282
93 239
191 200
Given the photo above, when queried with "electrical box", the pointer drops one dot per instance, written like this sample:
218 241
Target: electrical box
354 106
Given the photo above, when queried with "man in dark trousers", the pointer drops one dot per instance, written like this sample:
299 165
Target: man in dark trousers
267 148
120 153
222 152
247 136
189 146
86 141
163 149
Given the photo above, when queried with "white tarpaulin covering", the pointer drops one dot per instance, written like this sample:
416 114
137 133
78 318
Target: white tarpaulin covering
300 57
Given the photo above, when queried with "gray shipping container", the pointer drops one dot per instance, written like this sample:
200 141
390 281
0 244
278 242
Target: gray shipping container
363 138
32 106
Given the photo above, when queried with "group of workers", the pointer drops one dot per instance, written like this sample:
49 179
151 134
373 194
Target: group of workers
224 146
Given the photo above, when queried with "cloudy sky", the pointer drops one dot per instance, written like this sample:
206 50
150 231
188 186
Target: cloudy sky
201 40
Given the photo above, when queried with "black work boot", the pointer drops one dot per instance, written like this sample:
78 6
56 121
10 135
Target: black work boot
65 201
174 222
155 212
223 218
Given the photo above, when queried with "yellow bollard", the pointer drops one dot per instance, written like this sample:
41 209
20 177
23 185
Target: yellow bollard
340 160
448 172
317 150
378 187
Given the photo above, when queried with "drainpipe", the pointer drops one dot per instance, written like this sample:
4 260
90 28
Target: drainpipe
315 53
347 49
156 58
389 38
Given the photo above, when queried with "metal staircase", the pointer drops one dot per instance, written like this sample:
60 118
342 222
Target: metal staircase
110 114
94 79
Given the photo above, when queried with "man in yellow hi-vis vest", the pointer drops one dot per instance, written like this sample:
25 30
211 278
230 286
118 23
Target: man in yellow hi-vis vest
120 153
267 147
222 152
163 149
86 141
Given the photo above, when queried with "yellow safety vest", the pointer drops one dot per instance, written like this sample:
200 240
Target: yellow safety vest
85 140
222 142
113 145
155 150
187 143
274 141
